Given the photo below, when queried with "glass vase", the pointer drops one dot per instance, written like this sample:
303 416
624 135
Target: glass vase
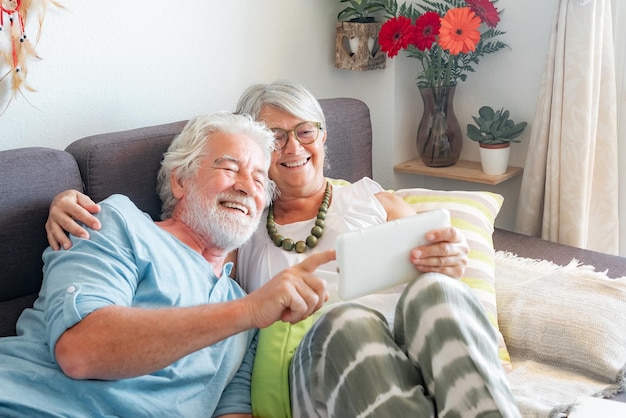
439 137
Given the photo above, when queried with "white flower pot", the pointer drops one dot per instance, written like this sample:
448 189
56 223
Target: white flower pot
495 158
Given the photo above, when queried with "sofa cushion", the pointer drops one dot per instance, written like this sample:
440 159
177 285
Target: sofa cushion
270 374
125 162
30 179
349 140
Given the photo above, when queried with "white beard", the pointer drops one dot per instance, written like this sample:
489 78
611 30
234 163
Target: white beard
216 225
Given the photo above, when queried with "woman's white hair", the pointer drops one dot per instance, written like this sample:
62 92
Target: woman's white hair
285 95
187 150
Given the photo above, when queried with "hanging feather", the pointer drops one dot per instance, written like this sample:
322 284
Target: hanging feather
16 48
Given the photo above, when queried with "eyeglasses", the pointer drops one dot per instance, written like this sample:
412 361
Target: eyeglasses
305 132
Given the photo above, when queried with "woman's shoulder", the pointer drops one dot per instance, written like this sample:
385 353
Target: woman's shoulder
358 198
365 184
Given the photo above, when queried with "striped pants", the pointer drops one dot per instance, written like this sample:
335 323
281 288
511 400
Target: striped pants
440 361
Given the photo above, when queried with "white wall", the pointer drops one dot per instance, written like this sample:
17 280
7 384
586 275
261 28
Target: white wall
117 65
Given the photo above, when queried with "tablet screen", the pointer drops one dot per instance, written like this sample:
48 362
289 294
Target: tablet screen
377 258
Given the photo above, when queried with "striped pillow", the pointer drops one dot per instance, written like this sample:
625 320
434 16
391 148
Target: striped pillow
473 213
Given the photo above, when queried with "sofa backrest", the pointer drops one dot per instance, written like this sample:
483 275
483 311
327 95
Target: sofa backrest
127 162
29 180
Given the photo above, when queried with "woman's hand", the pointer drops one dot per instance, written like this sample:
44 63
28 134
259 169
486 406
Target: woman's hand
447 253
448 250
66 209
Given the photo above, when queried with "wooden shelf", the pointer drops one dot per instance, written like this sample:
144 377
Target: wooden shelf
462 170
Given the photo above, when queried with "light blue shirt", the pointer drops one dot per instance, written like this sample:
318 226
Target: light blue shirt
129 262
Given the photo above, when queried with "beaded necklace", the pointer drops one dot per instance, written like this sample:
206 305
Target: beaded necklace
288 244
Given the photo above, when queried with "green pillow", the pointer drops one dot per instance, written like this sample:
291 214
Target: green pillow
270 374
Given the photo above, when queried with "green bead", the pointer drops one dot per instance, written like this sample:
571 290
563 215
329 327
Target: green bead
278 240
317 231
300 246
288 244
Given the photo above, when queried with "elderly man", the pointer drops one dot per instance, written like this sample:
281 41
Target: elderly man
142 318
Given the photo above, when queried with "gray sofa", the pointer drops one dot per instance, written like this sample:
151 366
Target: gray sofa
126 162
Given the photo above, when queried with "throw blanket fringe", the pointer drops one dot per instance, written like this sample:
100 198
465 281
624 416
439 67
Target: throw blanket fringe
538 266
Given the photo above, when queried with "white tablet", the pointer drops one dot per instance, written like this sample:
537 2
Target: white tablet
377 258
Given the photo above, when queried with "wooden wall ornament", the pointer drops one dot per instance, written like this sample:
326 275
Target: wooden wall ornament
357 48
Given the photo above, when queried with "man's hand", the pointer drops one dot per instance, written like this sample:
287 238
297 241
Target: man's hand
67 208
447 253
292 295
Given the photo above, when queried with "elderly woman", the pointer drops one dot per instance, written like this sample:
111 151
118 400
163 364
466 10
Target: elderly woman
438 359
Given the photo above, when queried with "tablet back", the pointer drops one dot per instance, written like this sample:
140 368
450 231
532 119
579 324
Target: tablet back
376 258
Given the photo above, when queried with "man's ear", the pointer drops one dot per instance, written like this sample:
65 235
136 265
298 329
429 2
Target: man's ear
178 190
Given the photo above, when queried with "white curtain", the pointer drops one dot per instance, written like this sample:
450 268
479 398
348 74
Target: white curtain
570 183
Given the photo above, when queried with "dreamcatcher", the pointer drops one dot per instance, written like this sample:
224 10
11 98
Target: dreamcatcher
16 49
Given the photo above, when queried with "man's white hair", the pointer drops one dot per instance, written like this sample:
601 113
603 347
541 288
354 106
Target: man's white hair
187 150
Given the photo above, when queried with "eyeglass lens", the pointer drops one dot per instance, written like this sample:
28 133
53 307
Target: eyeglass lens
305 133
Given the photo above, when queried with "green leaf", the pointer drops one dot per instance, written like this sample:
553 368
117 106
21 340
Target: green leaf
473 133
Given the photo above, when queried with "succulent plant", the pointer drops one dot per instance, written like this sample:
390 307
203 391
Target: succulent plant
494 127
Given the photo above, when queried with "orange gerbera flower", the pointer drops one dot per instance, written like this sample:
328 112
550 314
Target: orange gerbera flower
459 31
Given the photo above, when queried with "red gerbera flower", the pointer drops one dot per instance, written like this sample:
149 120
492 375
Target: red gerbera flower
486 11
426 29
459 31
395 34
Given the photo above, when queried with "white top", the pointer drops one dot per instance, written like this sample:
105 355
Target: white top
353 207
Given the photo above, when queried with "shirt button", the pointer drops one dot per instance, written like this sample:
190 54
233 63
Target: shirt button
71 289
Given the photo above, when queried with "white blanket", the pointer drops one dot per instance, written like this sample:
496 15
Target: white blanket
565 328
